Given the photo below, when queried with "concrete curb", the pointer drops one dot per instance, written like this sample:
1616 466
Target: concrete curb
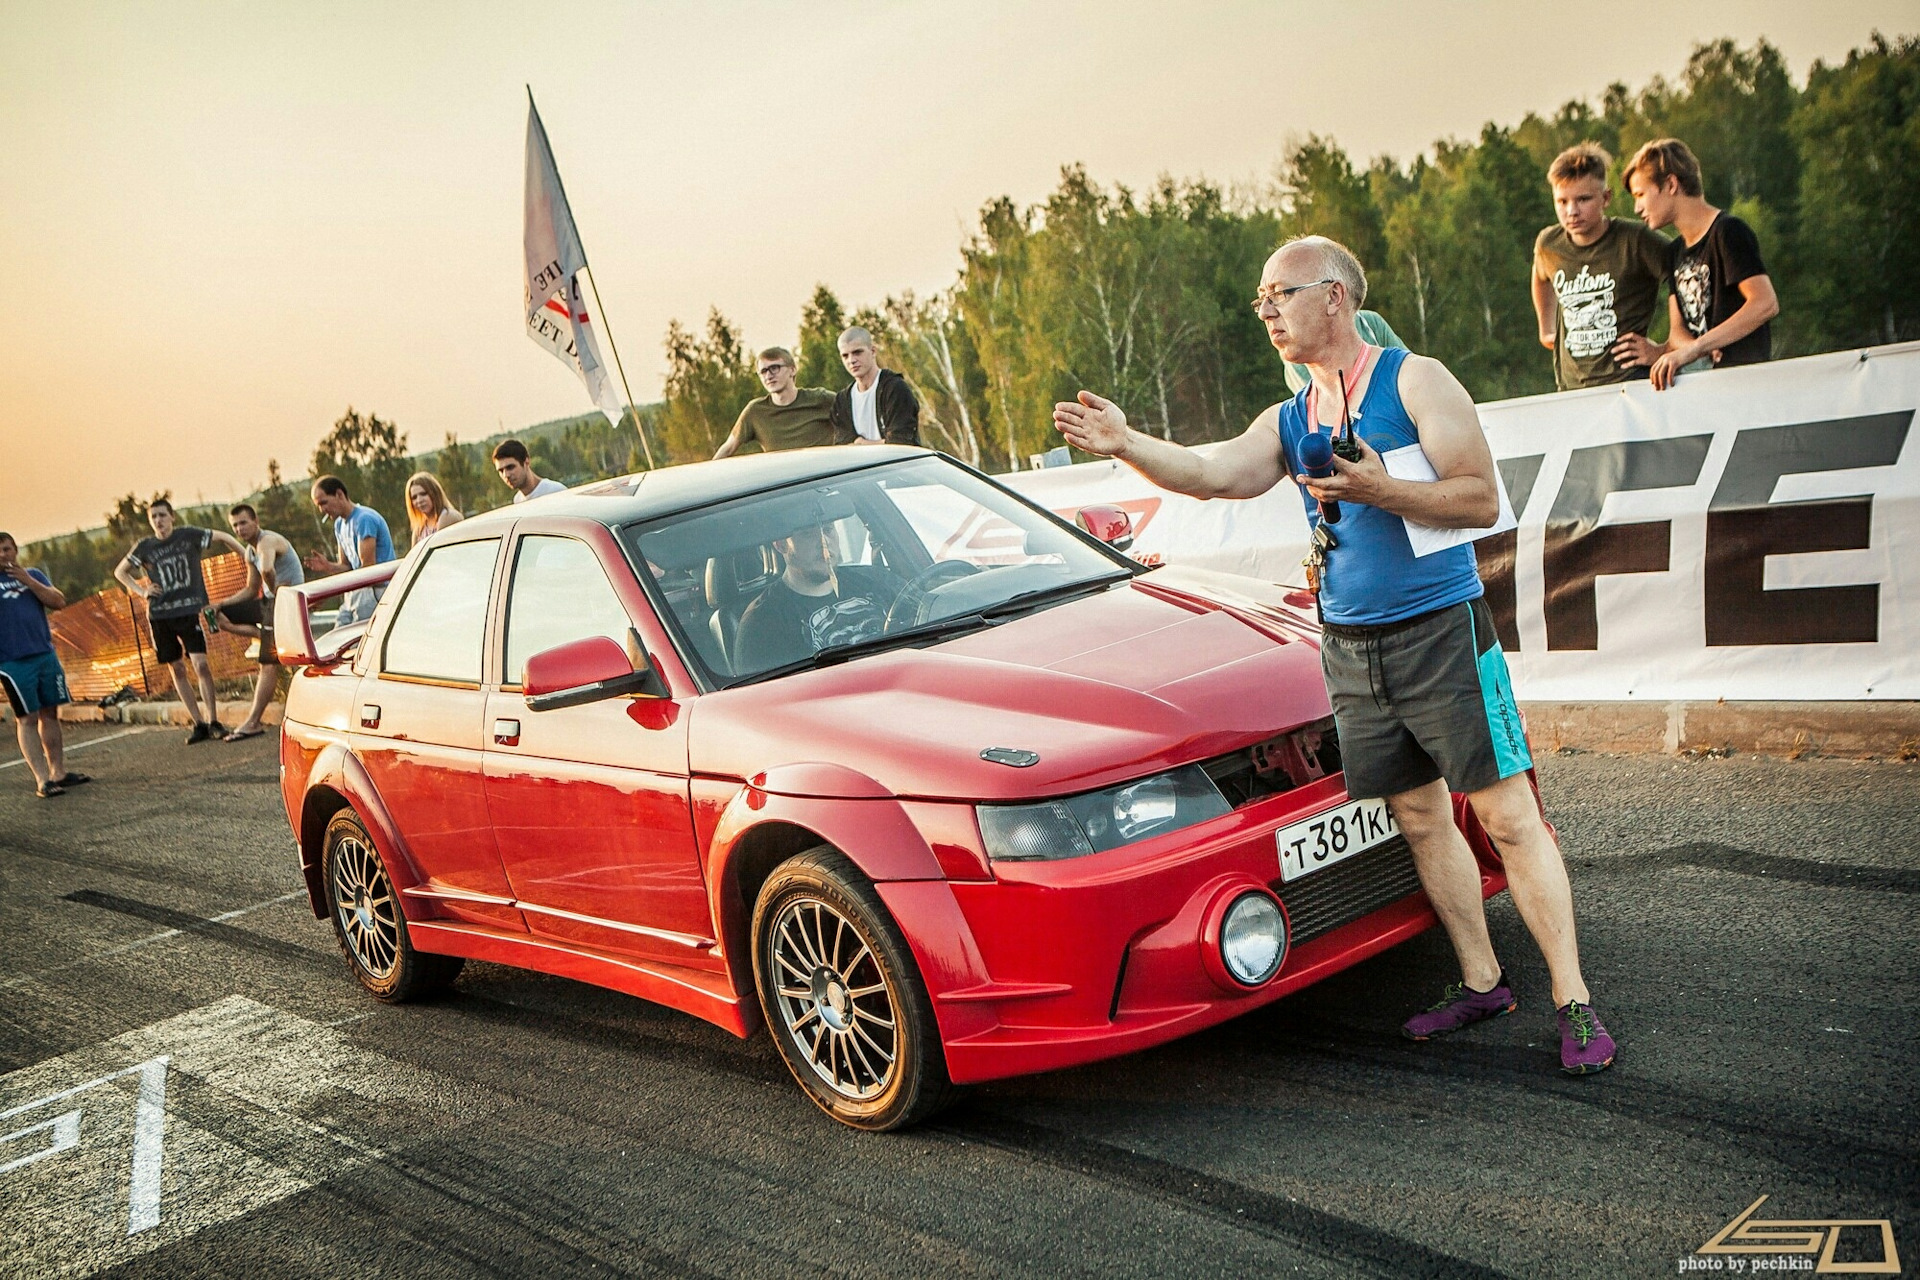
231 713
1848 730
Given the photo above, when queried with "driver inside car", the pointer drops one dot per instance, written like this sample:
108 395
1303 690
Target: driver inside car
811 606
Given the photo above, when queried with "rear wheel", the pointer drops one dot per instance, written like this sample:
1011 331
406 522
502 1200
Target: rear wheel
843 998
369 923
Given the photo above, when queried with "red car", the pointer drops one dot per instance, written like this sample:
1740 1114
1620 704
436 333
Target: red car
852 742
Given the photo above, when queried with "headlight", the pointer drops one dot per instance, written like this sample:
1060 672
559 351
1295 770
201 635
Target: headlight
1253 938
1075 826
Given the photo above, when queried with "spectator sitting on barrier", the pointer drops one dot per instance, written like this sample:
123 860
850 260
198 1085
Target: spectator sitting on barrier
428 511
176 592
879 408
362 536
1420 691
30 671
1721 299
510 461
787 417
1596 279
272 563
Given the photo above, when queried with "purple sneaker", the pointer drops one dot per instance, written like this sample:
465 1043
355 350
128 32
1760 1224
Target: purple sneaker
1585 1046
1461 1006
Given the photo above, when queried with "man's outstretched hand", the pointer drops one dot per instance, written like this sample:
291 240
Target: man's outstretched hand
1092 424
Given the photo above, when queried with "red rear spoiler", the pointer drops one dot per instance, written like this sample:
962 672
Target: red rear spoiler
293 610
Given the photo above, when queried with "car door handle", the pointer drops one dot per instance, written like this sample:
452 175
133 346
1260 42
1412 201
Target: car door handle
369 716
506 733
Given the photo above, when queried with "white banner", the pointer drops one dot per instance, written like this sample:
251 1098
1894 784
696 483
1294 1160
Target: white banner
1734 537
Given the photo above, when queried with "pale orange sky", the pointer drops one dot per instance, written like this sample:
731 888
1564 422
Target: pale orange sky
221 224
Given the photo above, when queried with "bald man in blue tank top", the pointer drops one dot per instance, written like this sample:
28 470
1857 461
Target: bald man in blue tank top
1421 696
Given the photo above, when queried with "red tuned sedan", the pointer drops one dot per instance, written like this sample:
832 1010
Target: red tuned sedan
852 742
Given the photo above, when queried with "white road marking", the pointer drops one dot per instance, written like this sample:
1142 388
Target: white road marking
247 1103
82 746
149 1135
151 938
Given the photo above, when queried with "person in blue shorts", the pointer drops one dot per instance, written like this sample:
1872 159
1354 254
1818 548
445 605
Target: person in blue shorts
30 672
1420 692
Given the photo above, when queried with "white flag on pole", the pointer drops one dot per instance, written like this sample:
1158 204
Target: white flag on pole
556 311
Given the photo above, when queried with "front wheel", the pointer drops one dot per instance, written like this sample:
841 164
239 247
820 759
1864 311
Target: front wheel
842 997
368 921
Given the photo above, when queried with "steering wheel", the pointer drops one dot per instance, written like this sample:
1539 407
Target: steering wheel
905 610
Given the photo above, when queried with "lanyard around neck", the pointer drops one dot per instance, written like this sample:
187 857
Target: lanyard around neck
1347 387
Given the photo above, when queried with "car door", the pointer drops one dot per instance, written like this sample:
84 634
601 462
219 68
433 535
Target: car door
589 803
419 730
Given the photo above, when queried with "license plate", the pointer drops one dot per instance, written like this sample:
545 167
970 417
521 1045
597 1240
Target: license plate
1333 835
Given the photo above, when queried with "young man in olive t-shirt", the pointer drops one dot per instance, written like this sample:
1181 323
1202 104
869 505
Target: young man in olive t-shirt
787 417
1595 279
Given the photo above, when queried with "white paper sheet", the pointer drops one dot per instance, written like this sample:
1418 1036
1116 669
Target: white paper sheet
1410 463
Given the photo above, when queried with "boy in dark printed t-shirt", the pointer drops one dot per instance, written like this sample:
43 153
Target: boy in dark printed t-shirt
1722 299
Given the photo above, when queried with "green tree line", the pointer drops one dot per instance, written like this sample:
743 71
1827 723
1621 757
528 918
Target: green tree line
1143 295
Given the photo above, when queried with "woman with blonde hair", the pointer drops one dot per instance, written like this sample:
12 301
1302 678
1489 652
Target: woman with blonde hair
427 509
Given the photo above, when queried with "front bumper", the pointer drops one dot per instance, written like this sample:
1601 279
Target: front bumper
1061 963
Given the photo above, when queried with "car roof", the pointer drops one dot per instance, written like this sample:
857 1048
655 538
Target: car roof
644 495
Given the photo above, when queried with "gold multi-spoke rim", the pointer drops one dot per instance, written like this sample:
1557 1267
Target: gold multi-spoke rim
363 902
833 999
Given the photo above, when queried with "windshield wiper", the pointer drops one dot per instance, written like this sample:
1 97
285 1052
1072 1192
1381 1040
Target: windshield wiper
1027 600
834 654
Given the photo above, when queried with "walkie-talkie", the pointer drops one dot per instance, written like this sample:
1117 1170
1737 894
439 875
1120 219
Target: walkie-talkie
1345 445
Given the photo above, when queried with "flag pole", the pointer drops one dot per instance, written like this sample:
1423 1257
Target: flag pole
645 448
614 348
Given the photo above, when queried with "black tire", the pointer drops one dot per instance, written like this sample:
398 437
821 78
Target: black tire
369 923
827 955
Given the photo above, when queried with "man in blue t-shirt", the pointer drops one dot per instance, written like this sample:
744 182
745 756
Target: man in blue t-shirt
1421 697
363 539
35 685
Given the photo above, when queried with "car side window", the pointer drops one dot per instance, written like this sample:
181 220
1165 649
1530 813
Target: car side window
440 629
560 594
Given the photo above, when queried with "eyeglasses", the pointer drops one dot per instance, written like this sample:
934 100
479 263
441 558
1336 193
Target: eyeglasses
768 370
1276 298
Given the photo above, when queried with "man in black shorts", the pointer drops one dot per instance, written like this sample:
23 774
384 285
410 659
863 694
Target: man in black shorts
176 592
1419 686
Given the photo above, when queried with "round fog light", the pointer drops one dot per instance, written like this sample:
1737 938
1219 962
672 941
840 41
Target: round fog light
1253 938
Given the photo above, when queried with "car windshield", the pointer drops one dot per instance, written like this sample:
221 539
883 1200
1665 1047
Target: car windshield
834 569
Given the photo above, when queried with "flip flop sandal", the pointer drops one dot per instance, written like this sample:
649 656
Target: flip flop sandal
241 735
48 791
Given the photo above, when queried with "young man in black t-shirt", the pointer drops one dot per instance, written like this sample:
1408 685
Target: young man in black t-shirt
810 607
1721 298
176 594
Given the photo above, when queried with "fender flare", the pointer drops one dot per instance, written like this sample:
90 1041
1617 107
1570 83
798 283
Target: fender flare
759 829
338 770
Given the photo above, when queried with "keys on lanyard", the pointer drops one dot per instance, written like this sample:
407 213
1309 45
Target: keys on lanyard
1315 564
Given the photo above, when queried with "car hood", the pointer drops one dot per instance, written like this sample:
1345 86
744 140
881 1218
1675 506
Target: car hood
1160 671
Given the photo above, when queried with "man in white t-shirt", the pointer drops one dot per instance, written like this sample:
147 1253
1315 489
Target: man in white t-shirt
879 408
510 460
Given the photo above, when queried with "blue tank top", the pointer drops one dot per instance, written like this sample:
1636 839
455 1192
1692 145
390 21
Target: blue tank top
1372 576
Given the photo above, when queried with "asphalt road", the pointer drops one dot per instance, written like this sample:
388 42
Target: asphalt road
191 1084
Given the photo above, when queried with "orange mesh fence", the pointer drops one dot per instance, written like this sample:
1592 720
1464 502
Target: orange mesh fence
104 645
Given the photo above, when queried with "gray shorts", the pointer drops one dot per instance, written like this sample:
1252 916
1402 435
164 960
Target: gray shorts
1424 698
